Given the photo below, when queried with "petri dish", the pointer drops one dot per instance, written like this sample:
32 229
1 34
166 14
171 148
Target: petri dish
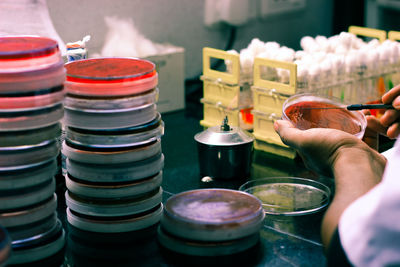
289 196
307 111
33 229
212 215
32 101
23 178
116 172
115 155
31 119
207 249
110 76
17 199
110 103
125 137
26 52
34 81
115 224
106 207
30 137
39 247
24 216
26 47
12 158
29 64
36 239
113 190
95 119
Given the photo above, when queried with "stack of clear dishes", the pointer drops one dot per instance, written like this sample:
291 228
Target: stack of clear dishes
211 222
32 75
112 145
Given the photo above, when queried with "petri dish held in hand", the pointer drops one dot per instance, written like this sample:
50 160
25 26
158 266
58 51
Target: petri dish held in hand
308 111
110 77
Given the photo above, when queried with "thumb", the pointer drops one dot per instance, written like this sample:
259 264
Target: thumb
289 134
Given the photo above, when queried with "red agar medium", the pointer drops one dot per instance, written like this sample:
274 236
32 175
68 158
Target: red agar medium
109 70
18 47
310 114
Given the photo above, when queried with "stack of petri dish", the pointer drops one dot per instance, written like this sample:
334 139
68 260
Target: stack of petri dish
31 94
112 145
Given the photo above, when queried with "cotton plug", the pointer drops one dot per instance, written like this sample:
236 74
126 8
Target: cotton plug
256 46
246 60
271 45
299 54
227 62
322 43
308 44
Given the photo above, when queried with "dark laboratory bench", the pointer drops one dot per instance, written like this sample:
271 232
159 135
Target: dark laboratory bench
282 243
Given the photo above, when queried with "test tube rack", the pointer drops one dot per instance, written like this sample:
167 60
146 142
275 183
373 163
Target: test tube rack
224 94
254 104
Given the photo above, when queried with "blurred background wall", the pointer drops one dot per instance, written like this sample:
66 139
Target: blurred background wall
181 23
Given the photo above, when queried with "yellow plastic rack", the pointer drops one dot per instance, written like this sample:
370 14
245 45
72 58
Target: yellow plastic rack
221 87
368 32
268 96
394 35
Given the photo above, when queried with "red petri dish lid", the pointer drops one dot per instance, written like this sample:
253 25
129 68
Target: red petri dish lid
99 70
25 47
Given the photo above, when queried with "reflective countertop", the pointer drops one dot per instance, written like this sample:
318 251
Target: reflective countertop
282 243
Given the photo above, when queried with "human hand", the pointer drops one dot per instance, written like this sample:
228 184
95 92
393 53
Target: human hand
390 118
372 131
319 147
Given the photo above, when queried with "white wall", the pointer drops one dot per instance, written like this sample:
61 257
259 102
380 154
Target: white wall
180 22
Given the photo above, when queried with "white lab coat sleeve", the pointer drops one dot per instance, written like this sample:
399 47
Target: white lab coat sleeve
369 228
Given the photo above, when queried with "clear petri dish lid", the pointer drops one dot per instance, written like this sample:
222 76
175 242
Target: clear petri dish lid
289 196
26 47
